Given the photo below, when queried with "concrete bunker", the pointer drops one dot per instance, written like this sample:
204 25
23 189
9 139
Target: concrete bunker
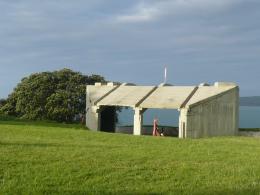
204 110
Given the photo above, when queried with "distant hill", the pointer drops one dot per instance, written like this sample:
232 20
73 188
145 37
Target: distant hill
250 101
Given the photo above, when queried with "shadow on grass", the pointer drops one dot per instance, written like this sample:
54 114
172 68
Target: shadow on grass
253 190
250 129
31 144
12 120
43 124
99 190
45 145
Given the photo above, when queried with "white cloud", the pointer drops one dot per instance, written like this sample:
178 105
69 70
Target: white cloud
152 10
143 14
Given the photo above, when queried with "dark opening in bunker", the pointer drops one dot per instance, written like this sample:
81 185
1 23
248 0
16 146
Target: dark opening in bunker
108 119
168 120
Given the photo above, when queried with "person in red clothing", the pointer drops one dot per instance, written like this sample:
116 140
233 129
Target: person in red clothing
155 128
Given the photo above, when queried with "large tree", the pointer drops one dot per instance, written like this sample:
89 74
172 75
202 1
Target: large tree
2 102
58 95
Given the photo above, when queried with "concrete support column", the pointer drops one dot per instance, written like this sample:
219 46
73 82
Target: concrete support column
236 115
183 123
98 119
93 118
138 121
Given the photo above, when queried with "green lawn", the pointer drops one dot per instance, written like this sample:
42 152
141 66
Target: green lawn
47 158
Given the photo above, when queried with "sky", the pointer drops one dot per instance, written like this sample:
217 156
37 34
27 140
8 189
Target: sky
133 40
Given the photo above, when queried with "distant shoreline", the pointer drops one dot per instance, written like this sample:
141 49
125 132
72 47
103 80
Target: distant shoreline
250 101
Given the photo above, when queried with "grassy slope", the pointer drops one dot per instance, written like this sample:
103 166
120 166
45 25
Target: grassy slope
35 158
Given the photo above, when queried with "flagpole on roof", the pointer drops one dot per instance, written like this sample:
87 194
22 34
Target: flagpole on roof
165 74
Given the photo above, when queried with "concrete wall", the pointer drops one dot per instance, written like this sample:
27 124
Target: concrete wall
92 113
216 116
93 118
182 122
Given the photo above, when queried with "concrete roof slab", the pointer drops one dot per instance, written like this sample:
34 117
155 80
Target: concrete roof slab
126 96
162 97
167 97
206 92
96 92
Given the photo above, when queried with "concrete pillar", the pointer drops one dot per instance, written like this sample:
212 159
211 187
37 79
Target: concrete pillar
183 123
93 118
236 115
138 121
98 118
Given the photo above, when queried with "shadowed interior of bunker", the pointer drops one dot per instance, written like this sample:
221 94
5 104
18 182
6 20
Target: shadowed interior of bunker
168 121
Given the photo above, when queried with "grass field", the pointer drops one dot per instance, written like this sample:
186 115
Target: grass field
50 158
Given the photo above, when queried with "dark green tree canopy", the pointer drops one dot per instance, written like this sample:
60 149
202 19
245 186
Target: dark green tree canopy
2 102
58 95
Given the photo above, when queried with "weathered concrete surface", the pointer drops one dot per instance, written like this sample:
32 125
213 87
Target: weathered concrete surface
126 96
183 123
93 118
219 116
205 92
138 121
167 97
92 111
96 92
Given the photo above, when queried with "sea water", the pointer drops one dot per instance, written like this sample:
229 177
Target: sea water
249 117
